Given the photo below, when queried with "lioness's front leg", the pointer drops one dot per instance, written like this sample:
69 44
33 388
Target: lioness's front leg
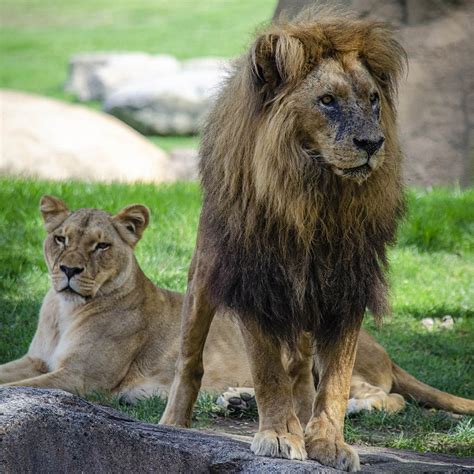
62 379
197 315
324 433
280 433
20 369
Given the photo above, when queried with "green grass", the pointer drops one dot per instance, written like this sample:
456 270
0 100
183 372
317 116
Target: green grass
39 37
432 275
170 142
414 428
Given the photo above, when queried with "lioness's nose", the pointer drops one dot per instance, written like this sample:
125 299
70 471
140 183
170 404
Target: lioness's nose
369 146
70 271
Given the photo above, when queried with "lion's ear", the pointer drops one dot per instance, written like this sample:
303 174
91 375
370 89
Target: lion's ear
385 59
131 222
54 212
277 59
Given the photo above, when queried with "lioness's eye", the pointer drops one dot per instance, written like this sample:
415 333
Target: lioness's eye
327 99
102 246
59 239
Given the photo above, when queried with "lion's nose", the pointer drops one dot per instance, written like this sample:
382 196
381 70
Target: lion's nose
70 271
369 146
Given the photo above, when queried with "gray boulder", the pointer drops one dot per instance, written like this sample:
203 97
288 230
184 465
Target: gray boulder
436 110
154 94
170 105
92 76
125 70
53 431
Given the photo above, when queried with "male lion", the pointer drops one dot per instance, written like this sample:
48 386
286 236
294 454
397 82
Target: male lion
301 176
104 325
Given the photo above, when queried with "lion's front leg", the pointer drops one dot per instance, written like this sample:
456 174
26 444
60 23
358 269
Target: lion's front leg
324 434
280 433
197 314
299 366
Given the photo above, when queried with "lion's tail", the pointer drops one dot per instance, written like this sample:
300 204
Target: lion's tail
408 386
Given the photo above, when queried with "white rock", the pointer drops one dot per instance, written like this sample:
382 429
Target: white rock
428 323
170 105
49 139
447 322
122 71
94 75
83 66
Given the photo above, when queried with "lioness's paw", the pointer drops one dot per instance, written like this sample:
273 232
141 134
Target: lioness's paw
237 399
332 453
284 445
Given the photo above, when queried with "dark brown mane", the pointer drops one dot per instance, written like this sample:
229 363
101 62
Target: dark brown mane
292 244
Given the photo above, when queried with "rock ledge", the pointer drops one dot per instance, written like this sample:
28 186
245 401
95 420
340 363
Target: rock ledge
53 431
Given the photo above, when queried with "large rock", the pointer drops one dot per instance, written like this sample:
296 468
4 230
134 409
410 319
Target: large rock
436 110
53 431
92 76
154 94
170 105
49 139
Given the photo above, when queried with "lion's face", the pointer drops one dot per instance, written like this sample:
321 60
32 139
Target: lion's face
89 252
338 108
325 92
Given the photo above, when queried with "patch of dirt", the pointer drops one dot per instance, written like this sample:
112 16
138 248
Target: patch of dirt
233 426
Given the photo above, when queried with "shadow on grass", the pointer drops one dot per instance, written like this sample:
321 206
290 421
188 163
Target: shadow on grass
18 320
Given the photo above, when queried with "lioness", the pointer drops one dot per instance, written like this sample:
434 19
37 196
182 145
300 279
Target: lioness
104 325
112 329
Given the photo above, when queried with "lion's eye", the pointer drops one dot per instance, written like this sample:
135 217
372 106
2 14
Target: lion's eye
102 246
374 98
59 239
327 99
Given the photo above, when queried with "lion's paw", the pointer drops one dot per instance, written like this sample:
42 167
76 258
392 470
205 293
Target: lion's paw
284 445
237 399
333 453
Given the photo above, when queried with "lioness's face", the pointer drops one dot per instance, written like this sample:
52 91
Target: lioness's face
89 252
339 109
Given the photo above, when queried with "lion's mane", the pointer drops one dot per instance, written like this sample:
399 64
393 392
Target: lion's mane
291 244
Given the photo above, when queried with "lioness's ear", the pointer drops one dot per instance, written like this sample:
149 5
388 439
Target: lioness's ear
277 59
54 212
131 222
